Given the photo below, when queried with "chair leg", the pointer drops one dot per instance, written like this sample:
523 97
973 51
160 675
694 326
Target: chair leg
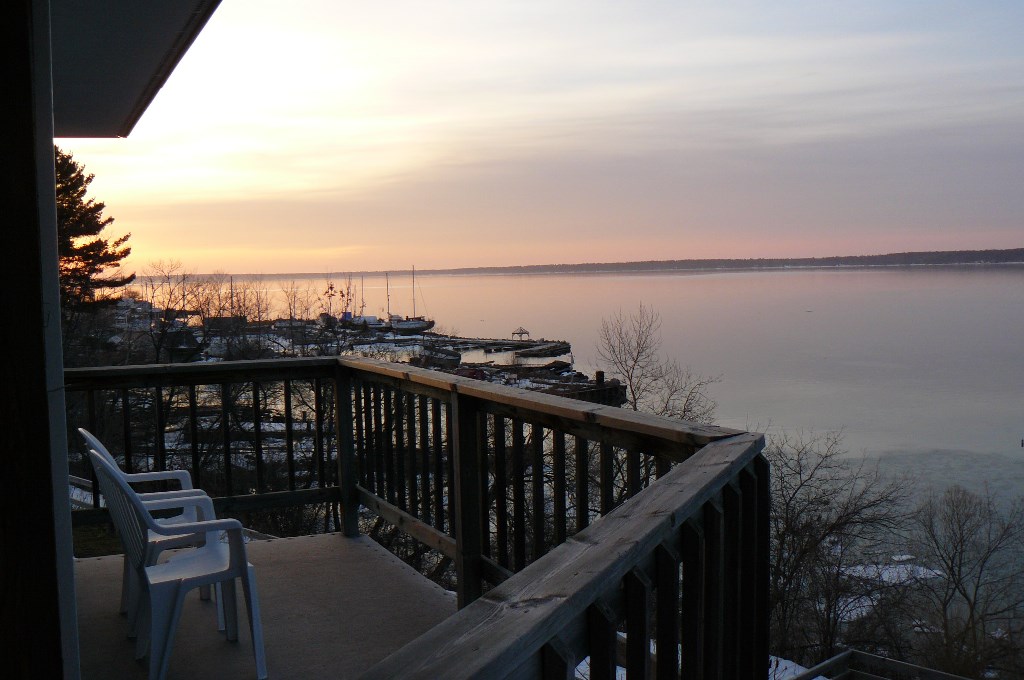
252 607
126 580
221 625
165 602
227 590
135 600
142 625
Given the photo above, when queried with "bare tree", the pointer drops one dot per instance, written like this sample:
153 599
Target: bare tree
829 513
629 345
971 616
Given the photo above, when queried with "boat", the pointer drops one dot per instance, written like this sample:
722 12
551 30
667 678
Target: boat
409 325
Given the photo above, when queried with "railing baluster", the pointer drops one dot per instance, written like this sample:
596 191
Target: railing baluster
389 445
161 426
380 448
501 490
667 610
225 417
748 538
518 496
713 590
607 478
126 431
289 434
559 473
601 633
469 524
537 479
661 466
193 435
90 407
318 431
424 439
449 426
346 454
582 484
693 601
732 526
637 592
410 447
632 472
439 458
257 438
400 479
359 438
369 442
760 649
484 483
557 661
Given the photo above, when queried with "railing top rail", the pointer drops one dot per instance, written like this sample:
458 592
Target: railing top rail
157 375
496 633
676 431
873 666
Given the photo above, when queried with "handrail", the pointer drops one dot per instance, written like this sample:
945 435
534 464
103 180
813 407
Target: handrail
542 617
853 663
669 433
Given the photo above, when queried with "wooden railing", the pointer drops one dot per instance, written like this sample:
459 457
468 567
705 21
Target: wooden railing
682 565
541 502
854 664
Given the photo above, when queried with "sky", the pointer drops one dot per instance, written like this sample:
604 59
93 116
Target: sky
328 136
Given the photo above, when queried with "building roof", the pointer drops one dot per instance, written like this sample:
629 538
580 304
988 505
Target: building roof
111 57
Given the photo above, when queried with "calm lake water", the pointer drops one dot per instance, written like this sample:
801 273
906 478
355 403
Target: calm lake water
920 366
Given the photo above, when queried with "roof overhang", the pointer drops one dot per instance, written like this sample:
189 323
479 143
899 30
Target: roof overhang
111 57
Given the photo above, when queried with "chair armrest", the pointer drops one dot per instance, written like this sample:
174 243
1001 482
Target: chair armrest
181 476
201 502
162 495
198 527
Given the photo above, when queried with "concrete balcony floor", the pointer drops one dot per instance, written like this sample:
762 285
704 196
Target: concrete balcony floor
331 607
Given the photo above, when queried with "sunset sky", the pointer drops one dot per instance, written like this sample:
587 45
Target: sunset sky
341 136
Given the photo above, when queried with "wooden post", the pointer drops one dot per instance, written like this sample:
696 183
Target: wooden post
38 600
346 453
469 524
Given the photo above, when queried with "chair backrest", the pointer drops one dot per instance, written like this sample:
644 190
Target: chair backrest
91 442
126 510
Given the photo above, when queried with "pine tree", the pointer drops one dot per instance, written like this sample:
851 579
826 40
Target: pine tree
84 255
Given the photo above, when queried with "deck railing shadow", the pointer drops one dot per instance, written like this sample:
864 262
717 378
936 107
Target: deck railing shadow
571 526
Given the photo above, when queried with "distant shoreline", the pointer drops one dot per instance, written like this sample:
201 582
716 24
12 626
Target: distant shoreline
1011 256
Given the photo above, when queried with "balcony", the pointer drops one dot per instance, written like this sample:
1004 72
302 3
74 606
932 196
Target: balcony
569 531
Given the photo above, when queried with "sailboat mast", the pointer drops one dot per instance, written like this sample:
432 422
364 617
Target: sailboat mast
414 291
387 289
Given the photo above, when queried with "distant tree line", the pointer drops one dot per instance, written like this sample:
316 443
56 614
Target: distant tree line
946 257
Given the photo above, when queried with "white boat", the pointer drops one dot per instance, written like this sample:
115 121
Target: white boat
409 325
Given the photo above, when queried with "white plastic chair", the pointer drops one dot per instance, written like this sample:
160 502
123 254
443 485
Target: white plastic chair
165 585
156 543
